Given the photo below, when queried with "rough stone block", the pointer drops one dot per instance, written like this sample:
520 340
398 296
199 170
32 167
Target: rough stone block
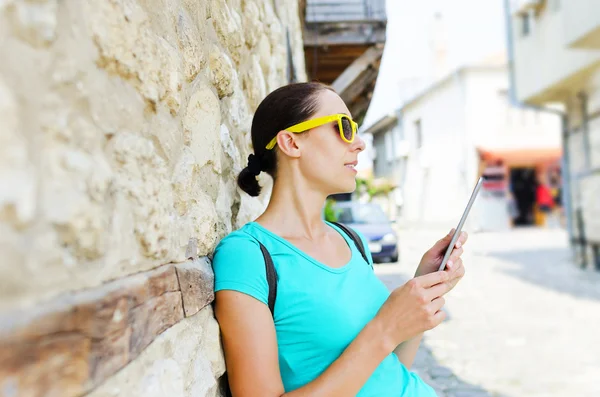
142 181
17 203
34 22
228 26
253 26
191 44
128 48
222 73
253 82
201 124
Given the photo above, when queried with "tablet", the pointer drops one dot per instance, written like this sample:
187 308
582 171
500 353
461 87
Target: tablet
461 223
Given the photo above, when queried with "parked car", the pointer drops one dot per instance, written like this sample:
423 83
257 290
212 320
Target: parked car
373 223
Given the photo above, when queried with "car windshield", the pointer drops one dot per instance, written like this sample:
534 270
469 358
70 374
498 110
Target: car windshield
362 213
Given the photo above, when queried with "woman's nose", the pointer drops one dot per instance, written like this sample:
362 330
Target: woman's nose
359 144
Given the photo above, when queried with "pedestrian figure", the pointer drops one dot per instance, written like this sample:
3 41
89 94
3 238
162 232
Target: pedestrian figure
544 200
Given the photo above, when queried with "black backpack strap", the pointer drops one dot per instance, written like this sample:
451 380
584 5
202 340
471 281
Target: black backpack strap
272 281
357 240
271 277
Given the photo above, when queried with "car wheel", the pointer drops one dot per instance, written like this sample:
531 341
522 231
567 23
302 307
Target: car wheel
394 258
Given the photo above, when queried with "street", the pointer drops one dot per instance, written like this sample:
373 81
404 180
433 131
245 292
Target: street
524 322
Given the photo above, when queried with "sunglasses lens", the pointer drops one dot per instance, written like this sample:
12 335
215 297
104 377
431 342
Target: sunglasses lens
347 128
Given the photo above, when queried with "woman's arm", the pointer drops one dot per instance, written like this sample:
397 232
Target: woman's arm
250 346
250 342
407 351
431 260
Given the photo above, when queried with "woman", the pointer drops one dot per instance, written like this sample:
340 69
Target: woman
335 330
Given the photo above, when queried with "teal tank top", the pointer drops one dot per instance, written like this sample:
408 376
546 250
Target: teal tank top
319 310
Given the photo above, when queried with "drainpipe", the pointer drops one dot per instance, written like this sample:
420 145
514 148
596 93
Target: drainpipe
566 169
566 176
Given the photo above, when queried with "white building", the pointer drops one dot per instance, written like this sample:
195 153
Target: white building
439 142
554 46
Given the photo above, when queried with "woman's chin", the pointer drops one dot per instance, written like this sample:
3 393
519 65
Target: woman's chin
345 188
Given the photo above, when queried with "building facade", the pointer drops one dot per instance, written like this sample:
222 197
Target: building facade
454 131
554 47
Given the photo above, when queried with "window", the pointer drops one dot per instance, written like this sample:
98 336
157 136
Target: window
418 134
389 152
525 25
399 132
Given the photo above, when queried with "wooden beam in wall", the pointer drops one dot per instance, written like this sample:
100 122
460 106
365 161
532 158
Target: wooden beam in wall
70 345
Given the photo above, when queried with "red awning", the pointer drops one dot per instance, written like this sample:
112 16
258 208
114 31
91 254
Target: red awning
521 156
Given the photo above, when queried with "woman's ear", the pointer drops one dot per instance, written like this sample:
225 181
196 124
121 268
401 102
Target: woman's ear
288 143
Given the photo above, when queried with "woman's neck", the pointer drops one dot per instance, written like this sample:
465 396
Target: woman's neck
295 210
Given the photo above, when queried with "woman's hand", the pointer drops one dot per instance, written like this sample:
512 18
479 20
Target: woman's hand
432 259
413 308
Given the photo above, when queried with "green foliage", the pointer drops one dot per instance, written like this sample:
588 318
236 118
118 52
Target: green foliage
330 212
374 187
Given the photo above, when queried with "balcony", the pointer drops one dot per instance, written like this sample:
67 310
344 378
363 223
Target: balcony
519 7
334 22
545 68
582 24
343 45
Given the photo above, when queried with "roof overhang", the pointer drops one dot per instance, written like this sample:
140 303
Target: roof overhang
356 83
383 124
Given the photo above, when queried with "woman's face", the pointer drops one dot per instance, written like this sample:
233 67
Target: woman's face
328 161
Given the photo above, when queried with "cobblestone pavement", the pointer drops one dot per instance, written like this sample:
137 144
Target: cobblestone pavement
523 322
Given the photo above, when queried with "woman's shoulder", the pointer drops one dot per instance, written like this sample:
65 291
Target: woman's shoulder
238 240
239 265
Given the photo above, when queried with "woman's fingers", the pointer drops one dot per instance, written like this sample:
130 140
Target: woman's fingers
430 279
438 290
456 253
437 304
439 315
462 239
458 270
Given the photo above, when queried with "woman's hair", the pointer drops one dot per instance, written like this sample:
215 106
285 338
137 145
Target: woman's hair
282 108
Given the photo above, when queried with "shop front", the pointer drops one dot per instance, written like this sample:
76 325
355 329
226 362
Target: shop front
515 182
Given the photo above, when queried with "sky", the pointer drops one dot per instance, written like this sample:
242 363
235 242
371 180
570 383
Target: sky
474 30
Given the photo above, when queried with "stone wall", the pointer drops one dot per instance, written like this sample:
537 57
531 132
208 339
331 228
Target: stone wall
123 124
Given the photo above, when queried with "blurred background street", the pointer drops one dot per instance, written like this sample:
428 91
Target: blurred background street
523 322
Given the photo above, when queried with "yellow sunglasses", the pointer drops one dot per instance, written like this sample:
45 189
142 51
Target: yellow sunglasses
346 127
